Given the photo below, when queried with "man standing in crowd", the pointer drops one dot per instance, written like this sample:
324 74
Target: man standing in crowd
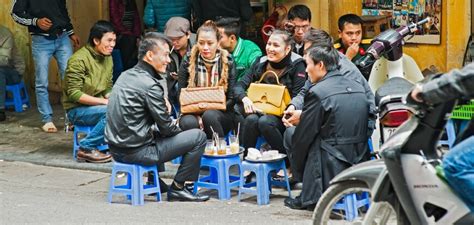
124 17
332 133
178 30
87 87
12 66
245 52
158 12
299 22
137 104
350 40
50 28
204 10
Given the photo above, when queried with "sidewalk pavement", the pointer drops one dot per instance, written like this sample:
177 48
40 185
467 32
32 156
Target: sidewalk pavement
21 139
33 194
36 192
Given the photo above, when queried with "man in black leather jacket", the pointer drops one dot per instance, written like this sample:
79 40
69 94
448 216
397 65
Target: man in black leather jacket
137 105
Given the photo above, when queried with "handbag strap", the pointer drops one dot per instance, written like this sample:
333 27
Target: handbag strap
267 72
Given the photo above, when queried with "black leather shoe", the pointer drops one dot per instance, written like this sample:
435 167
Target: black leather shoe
185 196
189 187
3 117
294 203
251 178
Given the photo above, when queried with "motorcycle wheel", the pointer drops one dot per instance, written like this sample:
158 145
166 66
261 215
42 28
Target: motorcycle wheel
325 212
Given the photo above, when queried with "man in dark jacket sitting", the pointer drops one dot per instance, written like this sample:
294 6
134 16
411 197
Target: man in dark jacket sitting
332 133
136 106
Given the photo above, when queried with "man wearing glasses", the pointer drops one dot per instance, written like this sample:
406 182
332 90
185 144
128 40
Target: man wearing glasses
299 22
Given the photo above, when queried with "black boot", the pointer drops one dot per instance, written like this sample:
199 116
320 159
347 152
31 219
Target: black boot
3 117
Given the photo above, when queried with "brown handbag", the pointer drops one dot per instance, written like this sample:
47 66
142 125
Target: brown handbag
270 98
196 100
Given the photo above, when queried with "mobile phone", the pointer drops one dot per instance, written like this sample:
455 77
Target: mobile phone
287 116
260 112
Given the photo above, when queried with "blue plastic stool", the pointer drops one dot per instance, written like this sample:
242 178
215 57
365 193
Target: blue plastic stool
219 177
264 183
134 189
177 160
85 130
451 131
351 203
18 98
260 141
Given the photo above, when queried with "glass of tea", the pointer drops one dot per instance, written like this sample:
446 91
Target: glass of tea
210 148
221 147
234 144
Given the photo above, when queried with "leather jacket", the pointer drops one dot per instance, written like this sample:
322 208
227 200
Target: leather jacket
458 83
136 104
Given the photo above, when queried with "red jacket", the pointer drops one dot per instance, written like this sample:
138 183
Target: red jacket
116 10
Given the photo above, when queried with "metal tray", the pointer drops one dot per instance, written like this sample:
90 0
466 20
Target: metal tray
241 150
280 157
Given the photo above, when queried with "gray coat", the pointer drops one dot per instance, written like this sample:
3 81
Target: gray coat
332 133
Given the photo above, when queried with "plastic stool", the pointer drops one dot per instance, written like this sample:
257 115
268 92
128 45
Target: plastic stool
19 97
351 203
260 141
264 183
177 160
219 177
134 189
450 133
85 130
146 189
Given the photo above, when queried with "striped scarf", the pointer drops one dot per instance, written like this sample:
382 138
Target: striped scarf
202 74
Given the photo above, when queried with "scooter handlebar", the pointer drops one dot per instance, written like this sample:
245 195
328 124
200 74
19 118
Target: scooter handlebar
366 61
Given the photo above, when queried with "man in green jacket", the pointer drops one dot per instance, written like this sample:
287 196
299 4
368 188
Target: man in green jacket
245 52
12 65
86 89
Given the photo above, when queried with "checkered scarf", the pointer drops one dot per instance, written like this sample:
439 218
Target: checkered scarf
202 74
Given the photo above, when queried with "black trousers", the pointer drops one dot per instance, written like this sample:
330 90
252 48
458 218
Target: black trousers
221 122
269 126
128 50
190 144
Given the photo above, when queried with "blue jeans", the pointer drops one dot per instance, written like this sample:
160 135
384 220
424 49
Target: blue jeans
8 76
458 167
90 116
43 49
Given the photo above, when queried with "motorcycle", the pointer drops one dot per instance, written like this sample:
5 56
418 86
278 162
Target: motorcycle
392 76
406 186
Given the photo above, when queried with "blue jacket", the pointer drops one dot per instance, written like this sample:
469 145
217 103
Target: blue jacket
157 12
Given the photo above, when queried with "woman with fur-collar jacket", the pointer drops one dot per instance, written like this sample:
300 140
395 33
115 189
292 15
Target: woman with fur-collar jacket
208 65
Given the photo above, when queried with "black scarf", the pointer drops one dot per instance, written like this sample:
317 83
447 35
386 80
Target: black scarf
283 63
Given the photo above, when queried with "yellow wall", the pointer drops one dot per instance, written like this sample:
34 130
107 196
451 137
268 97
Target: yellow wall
455 31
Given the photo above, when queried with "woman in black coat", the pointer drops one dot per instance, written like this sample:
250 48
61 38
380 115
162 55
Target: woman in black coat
290 69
